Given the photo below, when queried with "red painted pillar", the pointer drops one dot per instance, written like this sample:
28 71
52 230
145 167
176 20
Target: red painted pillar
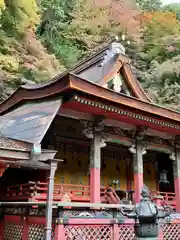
177 192
138 151
59 232
160 237
25 228
95 168
176 172
138 185
116 235
95 185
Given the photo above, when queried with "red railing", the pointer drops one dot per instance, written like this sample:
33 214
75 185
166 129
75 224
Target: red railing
37 191
22 192
168 198
30 227
78 193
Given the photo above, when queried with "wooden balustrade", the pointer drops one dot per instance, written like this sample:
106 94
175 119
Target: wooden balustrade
37 191
22 191
168 198
77 193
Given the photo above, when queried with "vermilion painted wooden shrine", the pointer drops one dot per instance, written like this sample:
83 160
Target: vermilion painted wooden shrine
112 138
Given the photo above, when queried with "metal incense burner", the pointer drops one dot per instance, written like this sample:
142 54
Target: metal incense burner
146 216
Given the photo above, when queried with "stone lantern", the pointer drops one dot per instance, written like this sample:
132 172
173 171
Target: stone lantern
146 216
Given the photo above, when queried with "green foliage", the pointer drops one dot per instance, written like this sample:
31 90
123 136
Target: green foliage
67 28
9 63
72 28
149 5
20 51
174 8
39 39
19 15
158 29
162 82
2 6
56 16
159 58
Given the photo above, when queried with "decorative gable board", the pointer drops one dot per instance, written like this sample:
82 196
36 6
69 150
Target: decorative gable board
111 64
96 72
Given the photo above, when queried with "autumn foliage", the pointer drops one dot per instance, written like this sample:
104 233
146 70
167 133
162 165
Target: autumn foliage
160 18
38 39
122 13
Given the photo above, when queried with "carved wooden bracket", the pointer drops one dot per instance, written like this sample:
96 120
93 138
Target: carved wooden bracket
176 141
172 156
141 132
133 150
97 126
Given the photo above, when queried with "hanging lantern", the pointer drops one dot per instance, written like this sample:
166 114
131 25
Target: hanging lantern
116 184
163 177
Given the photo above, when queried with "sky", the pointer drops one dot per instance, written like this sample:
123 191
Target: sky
170 1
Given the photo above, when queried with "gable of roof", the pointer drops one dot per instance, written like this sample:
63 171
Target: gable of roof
107 63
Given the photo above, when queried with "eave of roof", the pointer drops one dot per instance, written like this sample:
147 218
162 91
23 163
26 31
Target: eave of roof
14 154
133 83
25 164
70 82
13 144
73 83
117 98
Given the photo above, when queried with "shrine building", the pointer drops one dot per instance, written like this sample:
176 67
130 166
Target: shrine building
98 119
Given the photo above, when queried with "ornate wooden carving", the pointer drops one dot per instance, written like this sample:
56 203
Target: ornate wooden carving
158 140
119 131
172 156
141 132
133 149
97 126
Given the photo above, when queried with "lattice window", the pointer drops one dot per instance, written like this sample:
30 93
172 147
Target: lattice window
171 231
87 232
13 231
126 232
36 232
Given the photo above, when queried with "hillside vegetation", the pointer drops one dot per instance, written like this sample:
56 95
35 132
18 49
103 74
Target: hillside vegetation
39 39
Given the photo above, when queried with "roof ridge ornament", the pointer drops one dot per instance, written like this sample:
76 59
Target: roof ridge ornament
114 50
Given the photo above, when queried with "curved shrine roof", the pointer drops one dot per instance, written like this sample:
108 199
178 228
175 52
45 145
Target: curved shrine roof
31 103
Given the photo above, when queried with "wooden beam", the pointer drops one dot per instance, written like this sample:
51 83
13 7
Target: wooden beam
123 141
12 154
149 146
64 112
47 154
26 164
